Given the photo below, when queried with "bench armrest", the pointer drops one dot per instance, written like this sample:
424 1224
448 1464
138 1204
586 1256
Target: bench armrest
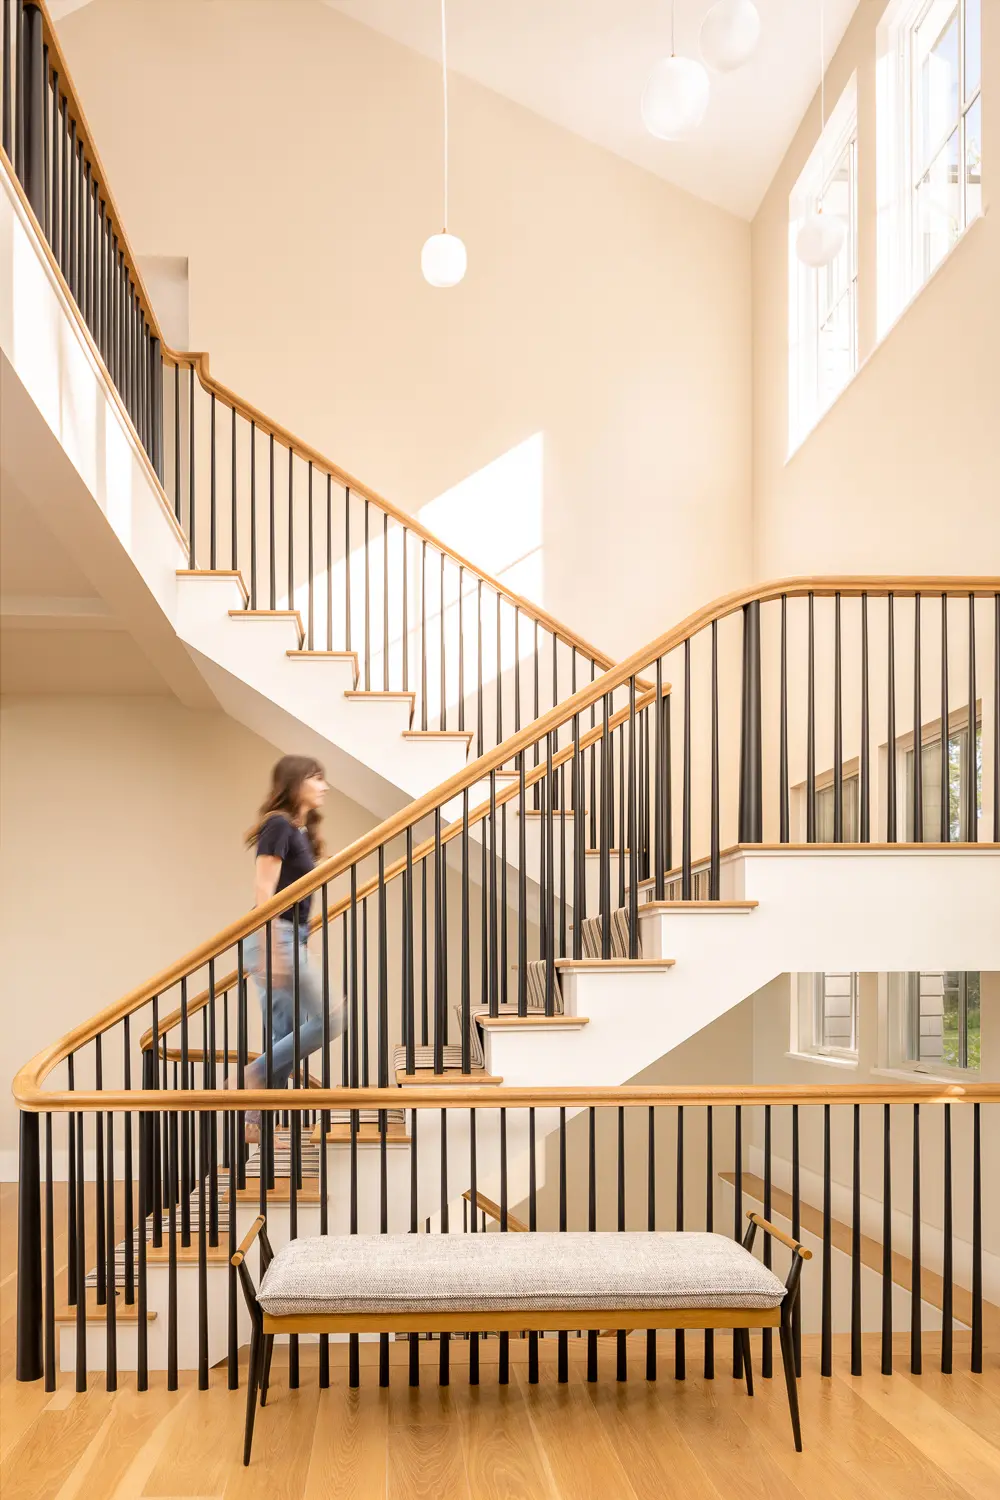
779 1234
248 1239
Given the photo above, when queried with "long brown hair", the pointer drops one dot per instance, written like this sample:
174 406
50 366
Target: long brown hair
285 795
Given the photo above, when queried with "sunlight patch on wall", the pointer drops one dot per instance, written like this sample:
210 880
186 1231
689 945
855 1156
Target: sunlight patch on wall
494 517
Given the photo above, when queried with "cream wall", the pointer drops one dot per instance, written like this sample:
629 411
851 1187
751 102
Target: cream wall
293 156
900 475
121 829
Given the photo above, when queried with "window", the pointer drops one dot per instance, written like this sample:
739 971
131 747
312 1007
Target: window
958 781
823 304
941 1020
828 1014
825 809
930 140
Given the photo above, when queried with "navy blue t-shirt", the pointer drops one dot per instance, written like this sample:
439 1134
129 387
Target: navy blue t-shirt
291 845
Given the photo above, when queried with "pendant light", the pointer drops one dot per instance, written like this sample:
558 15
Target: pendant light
675 98
729 34
822 236
443 259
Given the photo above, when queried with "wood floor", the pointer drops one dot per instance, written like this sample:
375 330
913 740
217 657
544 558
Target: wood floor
931 1437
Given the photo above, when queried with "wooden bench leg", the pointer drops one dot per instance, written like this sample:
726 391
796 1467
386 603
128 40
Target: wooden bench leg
747 1365
788 1360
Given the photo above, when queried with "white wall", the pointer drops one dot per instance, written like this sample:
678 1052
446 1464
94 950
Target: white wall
293 156
900 475
121 826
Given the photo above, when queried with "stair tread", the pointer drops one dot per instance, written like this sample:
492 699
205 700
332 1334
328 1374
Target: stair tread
811 1220
449 1077
615 963
97 1311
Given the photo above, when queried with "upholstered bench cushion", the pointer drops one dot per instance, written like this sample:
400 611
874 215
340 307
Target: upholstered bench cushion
416 1273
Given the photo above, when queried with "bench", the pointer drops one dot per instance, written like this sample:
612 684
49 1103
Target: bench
506 1283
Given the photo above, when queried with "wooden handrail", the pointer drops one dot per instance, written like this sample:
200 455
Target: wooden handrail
393 872
500 1096
29 1079
795 1246
199 363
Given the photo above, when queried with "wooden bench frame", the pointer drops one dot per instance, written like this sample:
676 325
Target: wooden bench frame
264 1326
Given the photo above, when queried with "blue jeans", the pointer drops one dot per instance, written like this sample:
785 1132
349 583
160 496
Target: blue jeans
283 1004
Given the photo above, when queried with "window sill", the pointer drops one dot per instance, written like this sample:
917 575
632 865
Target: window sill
924 1075
829 1059
796 444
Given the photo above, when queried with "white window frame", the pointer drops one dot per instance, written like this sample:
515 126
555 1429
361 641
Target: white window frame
904 1020
809 1032
901 274
808 397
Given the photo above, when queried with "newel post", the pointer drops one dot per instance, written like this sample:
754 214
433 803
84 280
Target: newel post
29 1252
751 830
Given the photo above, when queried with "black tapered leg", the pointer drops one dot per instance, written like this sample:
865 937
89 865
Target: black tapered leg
747 1363
253 1380
266 1370
788 1361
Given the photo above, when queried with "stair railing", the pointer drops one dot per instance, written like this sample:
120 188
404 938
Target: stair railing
300 535
153 1187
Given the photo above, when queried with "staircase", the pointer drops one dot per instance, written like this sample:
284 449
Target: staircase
569 880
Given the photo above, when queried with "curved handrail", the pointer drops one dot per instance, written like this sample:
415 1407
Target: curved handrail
27 1086
199 362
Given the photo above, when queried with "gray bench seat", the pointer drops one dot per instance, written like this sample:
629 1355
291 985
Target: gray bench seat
503 1283
404 1273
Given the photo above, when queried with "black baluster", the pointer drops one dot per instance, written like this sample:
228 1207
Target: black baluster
796 1232
947 1265
212 520
99 1221
414 1373
714 854
890 778
918 747
607 815
651 1225
272 544
129 1207
522 892
79 1252
886 1242
686 793
856 1362
172 1146
385 600
549 885
766 1356
751 796
916 1351
633 833
368 604
49 1299
503 1375
977 1236
659 809
329 580
439 956
410 1020
811 726
8 114
423 635
972 776
944 778
680 1351
826 1351
142 1360
191 487
532 1227
473 1202
864 789
465 959
443 718
563 1338
709 1225
738 1221
591 1224
479 666
622 1362
111 1318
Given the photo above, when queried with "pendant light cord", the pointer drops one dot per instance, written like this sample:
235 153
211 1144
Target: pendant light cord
673 11
444 85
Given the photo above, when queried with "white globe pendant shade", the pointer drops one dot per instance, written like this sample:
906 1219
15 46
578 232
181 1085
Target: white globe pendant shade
443 259
821 239
729 34
675 98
